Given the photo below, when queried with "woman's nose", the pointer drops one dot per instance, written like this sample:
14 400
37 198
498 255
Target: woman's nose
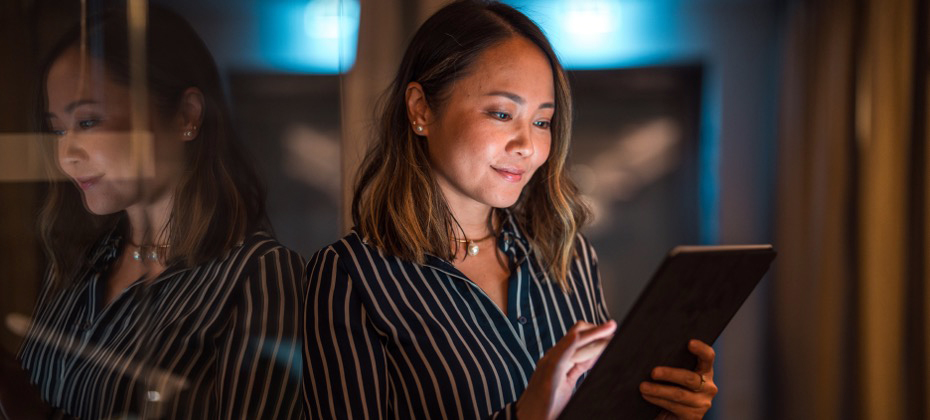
522 143
70 150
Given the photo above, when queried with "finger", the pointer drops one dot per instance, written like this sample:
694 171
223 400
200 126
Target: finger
599 332
573 334
669 406
683 377
590 351
666 415
674 394
581 326
577 370
580 335
705 355
678 410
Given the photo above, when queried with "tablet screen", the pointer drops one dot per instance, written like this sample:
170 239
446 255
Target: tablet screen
693 294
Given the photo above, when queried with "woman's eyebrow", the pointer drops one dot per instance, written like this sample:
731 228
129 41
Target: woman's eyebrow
509 95
70 108
517 98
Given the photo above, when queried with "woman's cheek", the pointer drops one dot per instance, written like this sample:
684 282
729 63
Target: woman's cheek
543 155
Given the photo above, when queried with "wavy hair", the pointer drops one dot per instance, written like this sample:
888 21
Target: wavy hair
219 198
398 206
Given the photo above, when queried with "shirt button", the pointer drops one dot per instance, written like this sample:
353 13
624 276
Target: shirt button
522 320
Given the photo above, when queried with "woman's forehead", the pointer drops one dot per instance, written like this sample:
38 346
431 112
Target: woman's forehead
516 66
74 77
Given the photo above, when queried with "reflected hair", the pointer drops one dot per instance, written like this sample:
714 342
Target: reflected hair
219 199
398 206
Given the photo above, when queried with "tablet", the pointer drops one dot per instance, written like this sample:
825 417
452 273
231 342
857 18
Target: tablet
694 294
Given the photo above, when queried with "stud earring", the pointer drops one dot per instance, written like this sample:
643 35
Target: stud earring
419 128
188 133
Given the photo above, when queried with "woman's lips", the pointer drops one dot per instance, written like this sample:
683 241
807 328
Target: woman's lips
87 182
510 174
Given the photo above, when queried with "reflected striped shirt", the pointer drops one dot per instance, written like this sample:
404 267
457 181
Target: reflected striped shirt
386 338
215 341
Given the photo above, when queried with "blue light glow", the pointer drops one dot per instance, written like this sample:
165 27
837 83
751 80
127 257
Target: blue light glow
593 34
610 34
315 36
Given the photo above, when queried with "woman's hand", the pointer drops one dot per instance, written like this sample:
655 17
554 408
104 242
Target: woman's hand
691 395
556 373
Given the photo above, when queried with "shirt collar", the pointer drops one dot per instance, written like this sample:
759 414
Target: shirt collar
107 248
512 239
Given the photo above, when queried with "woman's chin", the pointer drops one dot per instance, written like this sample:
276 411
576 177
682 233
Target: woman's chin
101 208
503 201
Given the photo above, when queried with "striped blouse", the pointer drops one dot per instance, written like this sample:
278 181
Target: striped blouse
390 339
214 341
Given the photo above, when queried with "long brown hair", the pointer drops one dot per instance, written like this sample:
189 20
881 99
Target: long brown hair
398 205
219 199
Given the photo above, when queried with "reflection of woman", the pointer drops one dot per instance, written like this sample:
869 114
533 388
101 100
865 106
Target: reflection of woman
465 289
165 296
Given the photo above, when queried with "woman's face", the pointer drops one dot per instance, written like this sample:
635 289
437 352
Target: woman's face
92 118
492 132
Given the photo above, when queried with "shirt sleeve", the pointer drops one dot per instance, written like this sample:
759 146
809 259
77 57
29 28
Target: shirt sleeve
346 366
259 370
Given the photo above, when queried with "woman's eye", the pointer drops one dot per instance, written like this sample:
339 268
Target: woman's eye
542 124
88 123
57 132
503 116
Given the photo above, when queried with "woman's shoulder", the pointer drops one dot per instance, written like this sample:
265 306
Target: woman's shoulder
584 248
260 246
263 242
351 246
350 256
259 263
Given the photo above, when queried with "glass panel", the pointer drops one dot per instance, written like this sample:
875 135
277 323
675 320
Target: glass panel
144 131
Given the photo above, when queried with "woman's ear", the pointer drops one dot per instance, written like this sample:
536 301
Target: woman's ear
418 110
190 113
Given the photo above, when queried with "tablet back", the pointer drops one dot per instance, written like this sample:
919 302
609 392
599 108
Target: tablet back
694 294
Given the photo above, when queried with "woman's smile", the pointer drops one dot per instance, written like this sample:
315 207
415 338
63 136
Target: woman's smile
510 173
88 181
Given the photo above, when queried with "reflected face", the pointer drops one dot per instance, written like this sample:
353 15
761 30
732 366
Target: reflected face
91 116
492 132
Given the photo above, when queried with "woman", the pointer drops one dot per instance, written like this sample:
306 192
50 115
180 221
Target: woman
166 296
465 289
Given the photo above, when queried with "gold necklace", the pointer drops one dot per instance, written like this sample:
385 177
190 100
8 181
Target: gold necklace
472 247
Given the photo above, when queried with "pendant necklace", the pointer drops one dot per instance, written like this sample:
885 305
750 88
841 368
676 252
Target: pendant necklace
471 246
149 252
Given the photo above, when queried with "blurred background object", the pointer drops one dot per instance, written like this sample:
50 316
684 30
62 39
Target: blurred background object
798 122
851 306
